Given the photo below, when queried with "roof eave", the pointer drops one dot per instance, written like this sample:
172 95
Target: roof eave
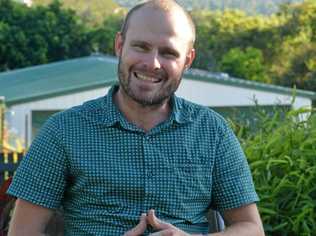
254 85
37 97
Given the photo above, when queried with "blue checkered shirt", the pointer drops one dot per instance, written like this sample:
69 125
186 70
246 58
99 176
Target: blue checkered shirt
105 171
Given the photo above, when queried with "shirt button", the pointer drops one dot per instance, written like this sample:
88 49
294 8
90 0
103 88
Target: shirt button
148 139
150 174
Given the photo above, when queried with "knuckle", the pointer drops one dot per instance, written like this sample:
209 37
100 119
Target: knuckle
171 232
129 233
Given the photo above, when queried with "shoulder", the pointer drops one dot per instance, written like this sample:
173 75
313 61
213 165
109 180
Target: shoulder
203 115
90 110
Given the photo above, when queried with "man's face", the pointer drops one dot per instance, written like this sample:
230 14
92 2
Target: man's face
153 56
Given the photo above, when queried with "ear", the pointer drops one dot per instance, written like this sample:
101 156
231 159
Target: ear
189 58
118 44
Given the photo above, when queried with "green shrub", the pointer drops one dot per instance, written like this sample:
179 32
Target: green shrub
282 157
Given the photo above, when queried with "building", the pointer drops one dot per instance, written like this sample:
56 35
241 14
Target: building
32 94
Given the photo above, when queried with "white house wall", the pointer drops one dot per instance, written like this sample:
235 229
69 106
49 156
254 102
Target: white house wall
16 115
218 95
204 93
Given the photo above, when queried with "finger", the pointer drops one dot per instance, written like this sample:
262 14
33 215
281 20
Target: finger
139 228
166 232
157 223
156 234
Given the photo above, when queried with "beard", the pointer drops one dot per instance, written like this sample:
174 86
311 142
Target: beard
165 90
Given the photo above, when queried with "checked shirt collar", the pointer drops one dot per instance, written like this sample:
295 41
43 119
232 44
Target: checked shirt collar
113 116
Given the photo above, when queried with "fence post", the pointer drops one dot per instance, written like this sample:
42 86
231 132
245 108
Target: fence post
1 122
9 161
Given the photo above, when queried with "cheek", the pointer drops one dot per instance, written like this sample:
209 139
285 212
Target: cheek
131 57
175 69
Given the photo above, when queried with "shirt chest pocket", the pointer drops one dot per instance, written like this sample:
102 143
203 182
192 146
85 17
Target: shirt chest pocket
187 172
183 181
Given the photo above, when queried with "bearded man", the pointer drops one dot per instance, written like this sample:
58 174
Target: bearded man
139 161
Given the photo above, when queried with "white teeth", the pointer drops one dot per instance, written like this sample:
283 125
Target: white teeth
144 77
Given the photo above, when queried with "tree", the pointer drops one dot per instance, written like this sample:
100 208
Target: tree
65 36
297 51
31 36
218 33
13 40
102 37
91 12
247 64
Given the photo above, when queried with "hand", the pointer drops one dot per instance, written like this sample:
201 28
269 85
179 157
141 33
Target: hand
138 229
165 229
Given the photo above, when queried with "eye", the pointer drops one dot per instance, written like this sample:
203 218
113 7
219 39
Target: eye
140 48
168 53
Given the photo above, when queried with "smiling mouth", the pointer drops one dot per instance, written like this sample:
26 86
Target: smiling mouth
147 78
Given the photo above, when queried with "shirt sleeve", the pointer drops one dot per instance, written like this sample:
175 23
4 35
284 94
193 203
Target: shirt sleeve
232 181
41 175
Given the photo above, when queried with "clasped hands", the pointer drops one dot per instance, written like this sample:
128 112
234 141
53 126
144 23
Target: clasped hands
163 228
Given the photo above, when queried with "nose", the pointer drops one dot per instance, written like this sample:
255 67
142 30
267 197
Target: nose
153 61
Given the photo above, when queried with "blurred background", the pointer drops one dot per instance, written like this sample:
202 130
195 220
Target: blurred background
256 65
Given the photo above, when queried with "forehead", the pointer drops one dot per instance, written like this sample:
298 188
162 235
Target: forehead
156 24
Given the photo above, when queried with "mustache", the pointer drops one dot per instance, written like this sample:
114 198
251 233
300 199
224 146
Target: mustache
158 73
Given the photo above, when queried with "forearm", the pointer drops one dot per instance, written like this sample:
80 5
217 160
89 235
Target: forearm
13 232
241 228
20 229
29 219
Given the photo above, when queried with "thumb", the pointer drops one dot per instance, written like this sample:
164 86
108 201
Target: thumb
157 223
140 228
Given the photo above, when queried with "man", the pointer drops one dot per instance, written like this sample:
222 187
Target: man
139 161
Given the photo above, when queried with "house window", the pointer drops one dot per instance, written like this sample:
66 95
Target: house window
39 118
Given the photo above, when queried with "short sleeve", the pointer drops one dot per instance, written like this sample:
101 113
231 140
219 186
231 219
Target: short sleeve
232 181
41 176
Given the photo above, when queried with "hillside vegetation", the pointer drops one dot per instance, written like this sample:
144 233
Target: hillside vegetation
249 6
92 11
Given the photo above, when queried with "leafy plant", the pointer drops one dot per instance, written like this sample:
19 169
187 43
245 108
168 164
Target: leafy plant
282 157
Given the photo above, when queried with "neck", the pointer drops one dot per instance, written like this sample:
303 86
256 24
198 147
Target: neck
144 117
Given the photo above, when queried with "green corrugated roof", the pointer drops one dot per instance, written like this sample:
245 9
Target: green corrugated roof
57 78
96 71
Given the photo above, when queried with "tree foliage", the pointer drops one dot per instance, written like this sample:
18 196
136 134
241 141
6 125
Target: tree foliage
102 37
278 49
31 36
246 64
298 46
91 12
250 6
284 44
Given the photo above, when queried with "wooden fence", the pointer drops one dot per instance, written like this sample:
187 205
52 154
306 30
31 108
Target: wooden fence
9 161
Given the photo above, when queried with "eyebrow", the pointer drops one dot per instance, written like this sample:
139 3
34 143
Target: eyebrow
140 43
